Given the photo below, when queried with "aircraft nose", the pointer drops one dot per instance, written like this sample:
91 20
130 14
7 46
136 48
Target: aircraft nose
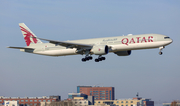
170 41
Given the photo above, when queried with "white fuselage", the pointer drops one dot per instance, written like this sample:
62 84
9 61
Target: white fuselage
118 43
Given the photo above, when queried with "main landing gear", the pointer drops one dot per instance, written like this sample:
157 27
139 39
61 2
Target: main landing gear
160 48
87 58
100 59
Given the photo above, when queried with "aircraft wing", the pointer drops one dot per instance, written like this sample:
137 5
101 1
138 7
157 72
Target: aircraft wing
21 48
68 44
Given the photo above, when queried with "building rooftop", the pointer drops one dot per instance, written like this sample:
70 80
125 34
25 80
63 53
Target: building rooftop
128 99
74 93
44 97
84 86
91 86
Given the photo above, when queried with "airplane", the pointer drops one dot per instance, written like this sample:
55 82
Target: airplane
120 45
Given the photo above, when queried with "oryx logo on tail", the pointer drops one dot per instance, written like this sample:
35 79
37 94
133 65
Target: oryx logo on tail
29 36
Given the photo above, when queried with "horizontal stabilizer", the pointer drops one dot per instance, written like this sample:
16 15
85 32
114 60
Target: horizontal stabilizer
21 48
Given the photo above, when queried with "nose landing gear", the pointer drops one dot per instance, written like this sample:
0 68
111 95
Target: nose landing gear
161 48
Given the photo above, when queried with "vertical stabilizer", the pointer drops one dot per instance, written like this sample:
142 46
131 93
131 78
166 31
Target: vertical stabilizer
28 35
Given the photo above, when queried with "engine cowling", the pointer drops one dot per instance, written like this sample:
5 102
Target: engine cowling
123 53
100 49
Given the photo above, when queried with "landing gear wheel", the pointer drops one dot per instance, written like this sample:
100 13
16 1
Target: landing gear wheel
103 58
96 60
83 60
100 59
87 58
90 57
160 53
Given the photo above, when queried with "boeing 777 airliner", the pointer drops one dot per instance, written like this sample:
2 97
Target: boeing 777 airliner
120 45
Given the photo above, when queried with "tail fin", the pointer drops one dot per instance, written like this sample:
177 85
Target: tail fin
28 35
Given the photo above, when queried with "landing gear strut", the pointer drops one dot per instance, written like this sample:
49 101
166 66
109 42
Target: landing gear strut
99 59
87 57
160 48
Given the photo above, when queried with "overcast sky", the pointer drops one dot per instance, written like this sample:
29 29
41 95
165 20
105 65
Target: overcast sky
144 71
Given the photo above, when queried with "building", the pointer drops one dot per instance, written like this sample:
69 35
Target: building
126 102
170 104
59 103
81 99
11 103
91 100
74 102
80 102
30 101
99 93
72 95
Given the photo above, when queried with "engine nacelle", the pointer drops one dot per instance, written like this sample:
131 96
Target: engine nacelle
100 49
123 53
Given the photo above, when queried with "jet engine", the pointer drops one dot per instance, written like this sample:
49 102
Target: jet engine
100 49
123 53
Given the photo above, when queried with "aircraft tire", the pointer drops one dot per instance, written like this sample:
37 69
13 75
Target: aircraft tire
96 60
87 58
100 59
103 58
160 53
90 57
83 60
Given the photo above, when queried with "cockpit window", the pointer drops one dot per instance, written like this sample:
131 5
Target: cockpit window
166 37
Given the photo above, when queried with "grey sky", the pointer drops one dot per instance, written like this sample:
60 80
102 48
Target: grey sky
144 71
